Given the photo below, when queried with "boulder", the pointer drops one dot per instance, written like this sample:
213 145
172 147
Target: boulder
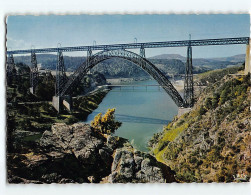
132 166
76 154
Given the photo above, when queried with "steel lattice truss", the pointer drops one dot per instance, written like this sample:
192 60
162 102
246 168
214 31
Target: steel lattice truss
118 50
188 84
202 42
10 66
33 71
130 56
61 77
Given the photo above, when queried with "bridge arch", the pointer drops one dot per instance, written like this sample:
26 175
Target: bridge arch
146 65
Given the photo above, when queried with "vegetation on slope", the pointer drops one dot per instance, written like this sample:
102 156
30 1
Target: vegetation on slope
212 142
28 116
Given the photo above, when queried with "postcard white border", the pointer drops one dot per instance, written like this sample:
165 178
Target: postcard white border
21 7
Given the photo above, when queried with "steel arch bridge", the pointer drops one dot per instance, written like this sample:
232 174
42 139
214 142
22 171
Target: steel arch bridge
64 85
129 56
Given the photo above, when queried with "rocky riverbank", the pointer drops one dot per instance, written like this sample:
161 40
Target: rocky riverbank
75 154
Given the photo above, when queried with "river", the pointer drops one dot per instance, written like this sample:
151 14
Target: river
142 111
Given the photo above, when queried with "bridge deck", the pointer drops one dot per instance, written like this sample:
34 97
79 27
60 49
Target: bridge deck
202 42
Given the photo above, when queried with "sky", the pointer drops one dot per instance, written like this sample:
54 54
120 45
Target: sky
25 32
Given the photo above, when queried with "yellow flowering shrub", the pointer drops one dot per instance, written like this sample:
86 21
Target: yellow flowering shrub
106 124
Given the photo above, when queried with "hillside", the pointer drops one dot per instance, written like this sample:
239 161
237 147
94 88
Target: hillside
116 67
211 63
111 68
169 56
235 58
211 143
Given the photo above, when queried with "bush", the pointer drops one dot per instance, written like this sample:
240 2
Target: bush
208 103
106 124
202 110
162 144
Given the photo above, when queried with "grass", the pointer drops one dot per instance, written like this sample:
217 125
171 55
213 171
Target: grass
171 134
159 156
33 137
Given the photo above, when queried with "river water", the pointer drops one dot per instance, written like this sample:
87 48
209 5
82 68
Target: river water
142 111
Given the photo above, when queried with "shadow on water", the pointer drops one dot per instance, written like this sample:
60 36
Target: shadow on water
137 119
149 89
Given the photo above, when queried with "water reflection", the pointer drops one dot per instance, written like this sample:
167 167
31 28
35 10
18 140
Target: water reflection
138 119
142 113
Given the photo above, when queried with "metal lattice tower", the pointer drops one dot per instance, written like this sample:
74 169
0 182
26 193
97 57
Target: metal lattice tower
188 85
61 77
88 57
142 52
11 70
33 72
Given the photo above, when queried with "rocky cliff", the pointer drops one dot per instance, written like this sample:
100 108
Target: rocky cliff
75 154
211 143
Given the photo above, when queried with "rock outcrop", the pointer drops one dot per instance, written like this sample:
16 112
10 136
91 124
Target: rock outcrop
75 154
130 165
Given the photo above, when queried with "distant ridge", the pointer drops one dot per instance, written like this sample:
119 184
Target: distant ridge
235 58
169 56
168 63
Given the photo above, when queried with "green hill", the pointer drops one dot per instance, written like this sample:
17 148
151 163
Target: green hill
211 143
116 67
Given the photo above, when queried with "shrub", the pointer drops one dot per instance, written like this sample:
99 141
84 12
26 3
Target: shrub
162 144
106 124
208 103
202 110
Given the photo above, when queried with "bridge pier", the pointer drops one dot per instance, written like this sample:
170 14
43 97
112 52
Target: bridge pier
59 101
188 84
11 70
247 59
89 54
33 73
32 90
142 51
61 77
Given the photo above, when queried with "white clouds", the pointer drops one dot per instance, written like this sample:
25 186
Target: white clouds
13 44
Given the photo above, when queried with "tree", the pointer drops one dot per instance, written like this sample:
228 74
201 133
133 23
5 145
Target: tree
106 124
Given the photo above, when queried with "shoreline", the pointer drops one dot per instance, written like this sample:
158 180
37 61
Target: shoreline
178 84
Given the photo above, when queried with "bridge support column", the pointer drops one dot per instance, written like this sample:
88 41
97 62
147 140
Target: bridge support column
61 77
59 102
56 102
11 70
247 60
89 54
142 52
33 73
67 102
188 84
